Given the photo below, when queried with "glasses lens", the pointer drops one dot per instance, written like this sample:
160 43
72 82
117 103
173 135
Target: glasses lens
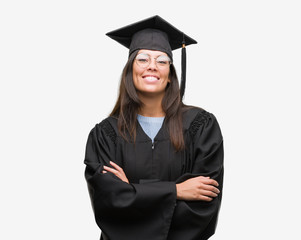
163 61
143 60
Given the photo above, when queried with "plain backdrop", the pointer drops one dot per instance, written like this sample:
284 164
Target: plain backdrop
59 77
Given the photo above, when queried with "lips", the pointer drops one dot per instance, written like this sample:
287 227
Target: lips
150 78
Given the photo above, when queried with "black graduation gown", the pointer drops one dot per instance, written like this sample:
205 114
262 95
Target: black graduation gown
147 208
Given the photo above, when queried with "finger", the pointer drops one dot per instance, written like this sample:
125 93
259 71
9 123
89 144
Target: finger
112 170
215 183
211 188
211 182
208 180
104 171
208 193
116 166
204 177
205 198
115 172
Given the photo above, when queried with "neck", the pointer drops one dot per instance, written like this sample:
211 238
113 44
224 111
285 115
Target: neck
152 106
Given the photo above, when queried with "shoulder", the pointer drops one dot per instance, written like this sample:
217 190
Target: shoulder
107 123
107 128
194 115
196 118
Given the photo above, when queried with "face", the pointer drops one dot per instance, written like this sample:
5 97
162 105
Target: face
151 78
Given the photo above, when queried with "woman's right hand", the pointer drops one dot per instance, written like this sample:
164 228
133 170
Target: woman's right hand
197 188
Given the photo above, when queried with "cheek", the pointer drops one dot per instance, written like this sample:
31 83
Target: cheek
136 74
165 75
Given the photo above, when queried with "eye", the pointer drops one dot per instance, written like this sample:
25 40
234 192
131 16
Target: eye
142 60
163 60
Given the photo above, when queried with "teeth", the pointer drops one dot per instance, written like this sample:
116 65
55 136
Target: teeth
151 78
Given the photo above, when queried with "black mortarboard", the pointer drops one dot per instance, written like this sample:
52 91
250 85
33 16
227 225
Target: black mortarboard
154 33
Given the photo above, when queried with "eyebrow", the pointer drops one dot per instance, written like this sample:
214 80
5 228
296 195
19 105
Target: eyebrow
153 56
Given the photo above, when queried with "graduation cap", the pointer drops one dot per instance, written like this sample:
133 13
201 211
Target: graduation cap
154 33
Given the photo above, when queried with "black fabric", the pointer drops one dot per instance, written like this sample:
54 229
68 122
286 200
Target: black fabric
166 39
147 208
151 39
183 73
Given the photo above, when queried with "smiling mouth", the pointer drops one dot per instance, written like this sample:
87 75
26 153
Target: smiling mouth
151 78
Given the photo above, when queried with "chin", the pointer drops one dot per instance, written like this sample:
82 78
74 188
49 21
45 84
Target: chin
152 92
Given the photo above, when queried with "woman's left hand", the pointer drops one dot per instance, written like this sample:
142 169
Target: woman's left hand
117 171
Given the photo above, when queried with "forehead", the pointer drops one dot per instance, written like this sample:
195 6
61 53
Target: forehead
152 53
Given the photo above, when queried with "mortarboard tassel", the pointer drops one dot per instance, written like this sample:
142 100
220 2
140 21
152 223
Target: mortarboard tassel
183 65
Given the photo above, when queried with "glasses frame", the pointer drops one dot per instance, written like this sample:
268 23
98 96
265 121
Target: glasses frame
156 63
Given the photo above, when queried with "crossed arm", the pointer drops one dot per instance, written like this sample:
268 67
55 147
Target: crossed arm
193 189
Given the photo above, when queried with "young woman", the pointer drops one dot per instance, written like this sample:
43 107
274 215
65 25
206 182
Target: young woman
154 167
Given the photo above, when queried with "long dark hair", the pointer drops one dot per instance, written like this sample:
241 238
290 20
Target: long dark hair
128 105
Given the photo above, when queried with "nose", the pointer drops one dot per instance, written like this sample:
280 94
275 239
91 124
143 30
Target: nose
152 65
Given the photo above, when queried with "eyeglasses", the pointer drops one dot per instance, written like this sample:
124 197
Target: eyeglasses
143 60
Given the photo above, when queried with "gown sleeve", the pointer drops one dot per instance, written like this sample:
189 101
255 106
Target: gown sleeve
125 211
198 219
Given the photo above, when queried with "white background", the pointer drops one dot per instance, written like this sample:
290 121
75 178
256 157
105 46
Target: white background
59 76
